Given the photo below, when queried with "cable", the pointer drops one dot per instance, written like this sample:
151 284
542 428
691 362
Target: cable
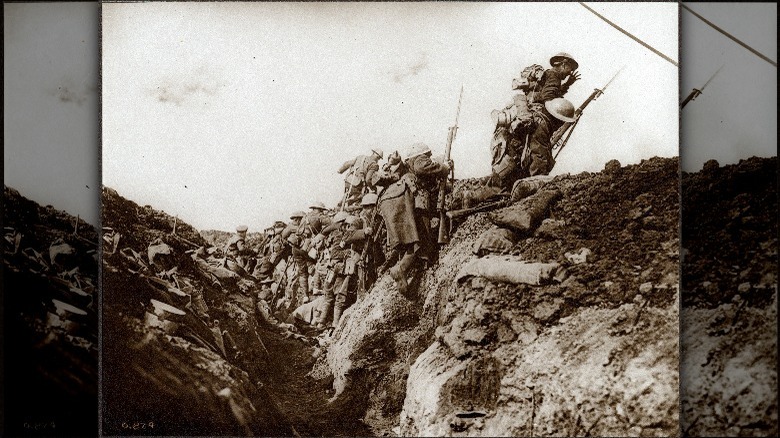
631 36
733 38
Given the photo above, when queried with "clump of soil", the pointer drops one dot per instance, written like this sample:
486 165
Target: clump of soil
729 299
51 358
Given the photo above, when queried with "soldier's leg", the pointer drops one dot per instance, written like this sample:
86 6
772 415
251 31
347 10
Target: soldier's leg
303 283
541 150
331 284
400 271
340 300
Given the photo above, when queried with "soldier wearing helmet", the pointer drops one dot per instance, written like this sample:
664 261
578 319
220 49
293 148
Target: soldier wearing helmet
300 259
555 113
421 179
360 176
552 84
236 248
315 220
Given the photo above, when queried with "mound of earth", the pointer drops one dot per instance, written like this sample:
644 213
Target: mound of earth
188 352
729 299
51 323
571 330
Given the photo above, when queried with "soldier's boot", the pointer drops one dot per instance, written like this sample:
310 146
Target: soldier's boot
400 271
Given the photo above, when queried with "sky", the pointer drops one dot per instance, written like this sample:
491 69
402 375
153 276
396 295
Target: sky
735 117
230 113
50 104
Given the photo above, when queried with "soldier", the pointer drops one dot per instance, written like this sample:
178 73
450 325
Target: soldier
336 256
300 281
407 208
236 248
316 220
519 126
359 179
294 227
555 113
552 86
371 254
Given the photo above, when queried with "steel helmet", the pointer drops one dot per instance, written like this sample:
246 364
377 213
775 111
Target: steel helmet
340 216
369 199
318 205
241 228
558 57
297 214
561 109
378 152
417 149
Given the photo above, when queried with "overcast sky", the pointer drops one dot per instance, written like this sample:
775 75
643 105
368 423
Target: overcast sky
736 115
228 113
50 104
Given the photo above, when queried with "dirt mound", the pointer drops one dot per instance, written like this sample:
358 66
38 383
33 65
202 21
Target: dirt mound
179 332
729 296
590 346
51 323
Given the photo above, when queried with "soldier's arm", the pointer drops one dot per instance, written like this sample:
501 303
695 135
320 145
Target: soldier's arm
426 166
551 88
370 172
346 165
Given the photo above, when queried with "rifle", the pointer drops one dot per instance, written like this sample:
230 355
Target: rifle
568 127
443 227
369 243
696 92
455 214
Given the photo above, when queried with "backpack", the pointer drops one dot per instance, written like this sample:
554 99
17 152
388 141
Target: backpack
357 173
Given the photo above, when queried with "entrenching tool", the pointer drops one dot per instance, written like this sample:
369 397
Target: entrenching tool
444 225
696 91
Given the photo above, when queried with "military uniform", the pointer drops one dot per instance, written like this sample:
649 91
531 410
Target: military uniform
360 177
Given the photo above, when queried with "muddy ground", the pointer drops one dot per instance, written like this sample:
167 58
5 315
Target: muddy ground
50 369
588 347
729 302
590 350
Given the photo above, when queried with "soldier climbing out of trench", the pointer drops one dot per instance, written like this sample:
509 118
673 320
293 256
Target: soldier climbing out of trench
521 144
407 208
360 174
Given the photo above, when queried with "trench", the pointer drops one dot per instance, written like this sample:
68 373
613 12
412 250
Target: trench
305 401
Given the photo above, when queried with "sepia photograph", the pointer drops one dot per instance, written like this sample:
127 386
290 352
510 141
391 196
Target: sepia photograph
50 216
390 219
729 262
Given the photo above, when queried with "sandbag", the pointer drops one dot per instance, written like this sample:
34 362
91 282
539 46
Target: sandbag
495 240
524 217
509 269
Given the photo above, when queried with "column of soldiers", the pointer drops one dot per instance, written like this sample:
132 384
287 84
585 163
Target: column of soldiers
320 261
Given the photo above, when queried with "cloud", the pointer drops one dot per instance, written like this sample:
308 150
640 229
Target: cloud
70 94
421 65
178 92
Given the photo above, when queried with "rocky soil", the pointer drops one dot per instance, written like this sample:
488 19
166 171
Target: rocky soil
555 316
729 299
585 344
215 369
50 355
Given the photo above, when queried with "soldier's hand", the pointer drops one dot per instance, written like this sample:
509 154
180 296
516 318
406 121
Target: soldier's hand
573 77
368 230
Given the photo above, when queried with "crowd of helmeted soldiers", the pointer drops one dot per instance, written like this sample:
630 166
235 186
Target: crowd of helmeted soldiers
312 267
316 264
323 259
